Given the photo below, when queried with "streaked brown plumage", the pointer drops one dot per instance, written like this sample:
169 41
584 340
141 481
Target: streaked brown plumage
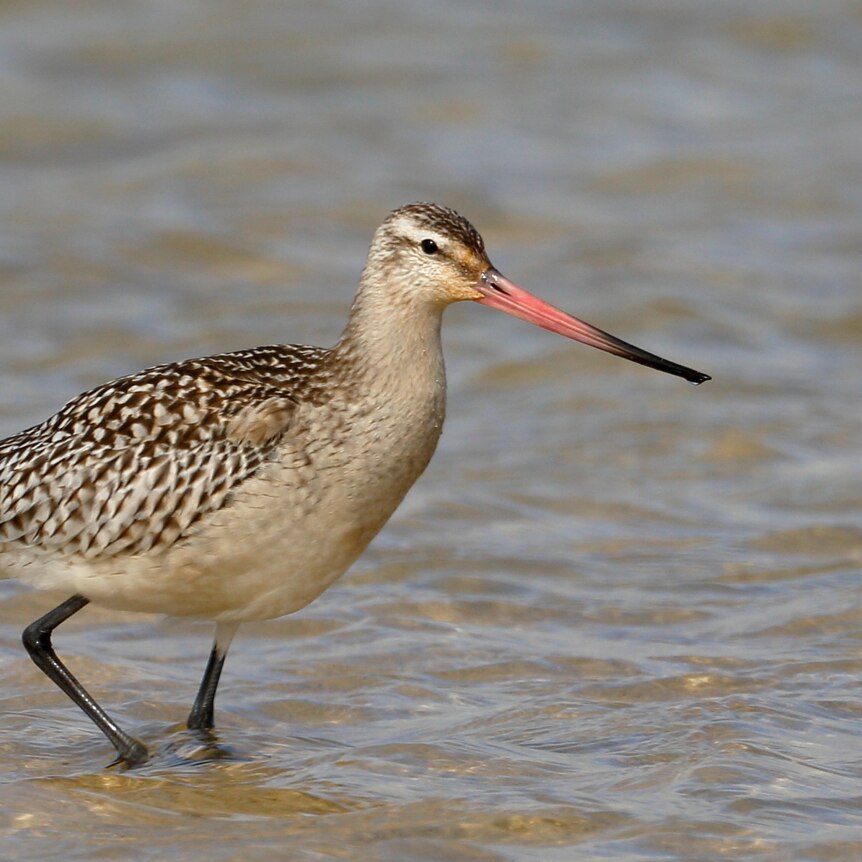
131 466
240 486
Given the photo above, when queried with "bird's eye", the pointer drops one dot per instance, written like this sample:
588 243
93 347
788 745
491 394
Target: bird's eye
429 246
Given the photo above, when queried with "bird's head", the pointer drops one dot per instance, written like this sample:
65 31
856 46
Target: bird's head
429 254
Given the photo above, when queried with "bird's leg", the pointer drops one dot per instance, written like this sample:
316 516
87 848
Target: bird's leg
37 640
201 716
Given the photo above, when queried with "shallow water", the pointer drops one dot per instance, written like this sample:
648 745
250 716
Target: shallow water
619 617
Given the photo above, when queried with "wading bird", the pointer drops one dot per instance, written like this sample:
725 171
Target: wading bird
241 486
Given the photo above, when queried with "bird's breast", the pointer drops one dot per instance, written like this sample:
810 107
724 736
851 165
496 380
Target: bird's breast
368 452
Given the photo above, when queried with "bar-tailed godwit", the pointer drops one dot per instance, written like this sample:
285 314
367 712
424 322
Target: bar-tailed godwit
241 486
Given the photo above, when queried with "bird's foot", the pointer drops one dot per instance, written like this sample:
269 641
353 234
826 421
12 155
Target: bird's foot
134 753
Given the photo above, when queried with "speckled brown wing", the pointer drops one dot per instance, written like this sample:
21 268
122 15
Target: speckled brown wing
131 465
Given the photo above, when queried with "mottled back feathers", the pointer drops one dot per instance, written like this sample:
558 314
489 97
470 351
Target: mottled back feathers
131 465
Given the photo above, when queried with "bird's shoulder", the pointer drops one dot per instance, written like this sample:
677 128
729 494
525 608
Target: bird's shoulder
237 395
139 459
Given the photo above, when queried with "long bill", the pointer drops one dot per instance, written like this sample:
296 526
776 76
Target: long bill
498 292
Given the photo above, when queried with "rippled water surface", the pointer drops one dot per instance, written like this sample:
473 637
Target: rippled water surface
619 617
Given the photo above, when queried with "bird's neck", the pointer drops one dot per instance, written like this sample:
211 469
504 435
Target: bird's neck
392 341
392 385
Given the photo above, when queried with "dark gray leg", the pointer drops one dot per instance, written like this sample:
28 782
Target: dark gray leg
202 715
37 640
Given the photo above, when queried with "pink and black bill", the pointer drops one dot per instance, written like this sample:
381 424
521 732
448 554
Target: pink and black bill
498 292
